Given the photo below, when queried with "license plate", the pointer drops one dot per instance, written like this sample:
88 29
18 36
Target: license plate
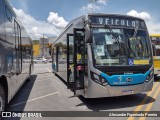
127 92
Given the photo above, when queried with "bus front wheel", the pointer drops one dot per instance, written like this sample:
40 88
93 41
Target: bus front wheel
2 99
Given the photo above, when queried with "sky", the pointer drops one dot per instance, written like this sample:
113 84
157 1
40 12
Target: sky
49 17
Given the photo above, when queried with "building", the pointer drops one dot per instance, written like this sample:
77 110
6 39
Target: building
36 50
44 47
41 49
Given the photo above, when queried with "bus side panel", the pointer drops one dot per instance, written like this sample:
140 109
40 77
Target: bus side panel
17 47
22 54
2 38
6 62
10 64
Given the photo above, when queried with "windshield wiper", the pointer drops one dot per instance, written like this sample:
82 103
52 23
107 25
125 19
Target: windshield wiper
135 32
116 38
133 36
129 45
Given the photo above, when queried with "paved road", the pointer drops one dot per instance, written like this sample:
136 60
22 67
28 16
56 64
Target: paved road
46 92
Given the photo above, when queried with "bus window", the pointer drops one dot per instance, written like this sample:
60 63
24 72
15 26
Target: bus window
8 14
18 47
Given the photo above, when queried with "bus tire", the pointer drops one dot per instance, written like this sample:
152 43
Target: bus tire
2 99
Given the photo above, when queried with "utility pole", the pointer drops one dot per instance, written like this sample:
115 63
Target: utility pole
43 46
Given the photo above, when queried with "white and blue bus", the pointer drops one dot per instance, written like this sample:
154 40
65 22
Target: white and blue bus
104 55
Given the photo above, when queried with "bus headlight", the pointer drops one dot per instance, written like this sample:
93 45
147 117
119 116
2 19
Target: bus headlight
104 82
98 79
150 75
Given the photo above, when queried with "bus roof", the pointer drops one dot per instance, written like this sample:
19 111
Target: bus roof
118 15
79 22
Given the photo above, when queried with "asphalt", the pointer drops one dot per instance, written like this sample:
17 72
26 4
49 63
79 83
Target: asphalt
46 92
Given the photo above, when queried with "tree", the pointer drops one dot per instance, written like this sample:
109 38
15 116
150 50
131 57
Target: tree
35 41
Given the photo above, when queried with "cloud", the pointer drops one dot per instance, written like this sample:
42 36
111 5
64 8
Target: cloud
89 7
56 20
36 33
37 28
143 15
24 4
152 25
103 2
25 18
96 5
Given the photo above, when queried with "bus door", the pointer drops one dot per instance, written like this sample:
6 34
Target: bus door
79 61
76 61
70 68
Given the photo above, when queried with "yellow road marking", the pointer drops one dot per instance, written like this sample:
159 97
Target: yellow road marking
151 103
139 107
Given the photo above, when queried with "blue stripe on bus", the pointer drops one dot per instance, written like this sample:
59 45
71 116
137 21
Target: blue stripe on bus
119 80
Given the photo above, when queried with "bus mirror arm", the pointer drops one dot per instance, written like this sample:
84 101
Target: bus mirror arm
89 39
88 34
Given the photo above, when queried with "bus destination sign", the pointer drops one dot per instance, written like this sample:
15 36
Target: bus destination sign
117 21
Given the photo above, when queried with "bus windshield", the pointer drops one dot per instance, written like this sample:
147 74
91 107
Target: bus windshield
131 48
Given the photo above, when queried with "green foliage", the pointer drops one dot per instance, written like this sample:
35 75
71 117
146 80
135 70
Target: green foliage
60 44
35 41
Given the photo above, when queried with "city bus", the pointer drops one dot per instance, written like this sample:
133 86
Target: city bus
15 49
155 39
104 55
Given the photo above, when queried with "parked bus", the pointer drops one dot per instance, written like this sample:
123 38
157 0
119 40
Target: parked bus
155 39
15 48
105 55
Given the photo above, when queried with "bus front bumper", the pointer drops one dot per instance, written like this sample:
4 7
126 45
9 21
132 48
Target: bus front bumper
97 91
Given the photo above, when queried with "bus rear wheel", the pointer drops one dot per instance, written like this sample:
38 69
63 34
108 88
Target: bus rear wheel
2 99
